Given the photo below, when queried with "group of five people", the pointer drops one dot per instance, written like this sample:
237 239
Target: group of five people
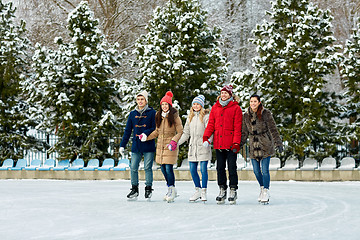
225 127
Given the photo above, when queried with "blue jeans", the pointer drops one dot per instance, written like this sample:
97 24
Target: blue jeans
195 175
168 171
134 167
262 173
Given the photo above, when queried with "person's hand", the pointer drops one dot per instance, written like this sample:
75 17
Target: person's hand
122 150
280 149
142 137
172 146
206 144
235 147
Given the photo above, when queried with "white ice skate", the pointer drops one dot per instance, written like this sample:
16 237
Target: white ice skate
196 195
203 195
172 194
261 192
265 196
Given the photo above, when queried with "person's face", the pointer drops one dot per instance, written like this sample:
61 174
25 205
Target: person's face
254 104
141 101
224 95
196 107
165 106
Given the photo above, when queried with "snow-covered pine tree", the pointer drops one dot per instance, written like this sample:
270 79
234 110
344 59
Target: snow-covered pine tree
350 71
296 55
14 121
180 53
74 88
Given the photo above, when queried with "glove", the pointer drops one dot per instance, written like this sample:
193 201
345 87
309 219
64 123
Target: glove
142 137
235 147
172 146
280 149
206 144
122 150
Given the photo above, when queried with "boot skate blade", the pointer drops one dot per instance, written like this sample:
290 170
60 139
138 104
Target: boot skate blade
132 199
192 201
265 203
232 202
220 202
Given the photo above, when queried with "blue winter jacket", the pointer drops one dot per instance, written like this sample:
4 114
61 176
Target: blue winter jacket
141 123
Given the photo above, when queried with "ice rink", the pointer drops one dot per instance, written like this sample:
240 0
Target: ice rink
52 209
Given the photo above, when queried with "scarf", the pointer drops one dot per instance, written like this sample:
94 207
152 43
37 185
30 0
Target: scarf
226 102
163 114
142 110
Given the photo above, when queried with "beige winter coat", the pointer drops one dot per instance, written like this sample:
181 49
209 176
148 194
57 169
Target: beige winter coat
195 131
164 135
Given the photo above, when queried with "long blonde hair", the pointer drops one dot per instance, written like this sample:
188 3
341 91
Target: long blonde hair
201 114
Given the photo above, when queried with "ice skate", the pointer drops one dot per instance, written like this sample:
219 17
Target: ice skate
196 195
203 195
148 192
261 192
134 193
166 195
232 196
265 196
222 196
171 195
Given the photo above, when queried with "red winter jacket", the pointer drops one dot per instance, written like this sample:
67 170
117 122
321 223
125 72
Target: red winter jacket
226 122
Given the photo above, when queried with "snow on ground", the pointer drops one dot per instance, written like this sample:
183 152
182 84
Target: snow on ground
54 209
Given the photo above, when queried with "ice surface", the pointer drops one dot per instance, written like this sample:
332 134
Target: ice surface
54 209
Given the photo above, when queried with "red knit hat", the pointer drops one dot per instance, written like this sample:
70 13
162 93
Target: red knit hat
228 88
167 98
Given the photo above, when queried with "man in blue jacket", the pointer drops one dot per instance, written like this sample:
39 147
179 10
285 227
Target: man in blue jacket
142 121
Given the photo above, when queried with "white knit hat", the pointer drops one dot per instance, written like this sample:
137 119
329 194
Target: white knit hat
145 94
200 100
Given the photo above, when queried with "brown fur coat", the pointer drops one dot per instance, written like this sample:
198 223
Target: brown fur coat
263 134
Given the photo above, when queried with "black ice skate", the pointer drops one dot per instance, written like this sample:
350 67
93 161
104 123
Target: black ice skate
134 193
232 196
148 192
222 196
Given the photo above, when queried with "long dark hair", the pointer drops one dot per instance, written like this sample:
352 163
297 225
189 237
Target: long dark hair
260 108
171 117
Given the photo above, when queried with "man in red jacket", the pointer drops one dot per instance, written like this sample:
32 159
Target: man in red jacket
225 122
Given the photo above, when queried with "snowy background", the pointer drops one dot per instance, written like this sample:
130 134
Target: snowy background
44 209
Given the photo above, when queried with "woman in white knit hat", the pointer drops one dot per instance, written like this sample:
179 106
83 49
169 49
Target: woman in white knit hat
198 154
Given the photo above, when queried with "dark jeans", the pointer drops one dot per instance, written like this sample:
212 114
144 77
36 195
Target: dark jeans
168 172
229 157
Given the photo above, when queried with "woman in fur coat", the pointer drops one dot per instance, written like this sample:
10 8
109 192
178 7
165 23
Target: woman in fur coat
259 125
198 154
168 132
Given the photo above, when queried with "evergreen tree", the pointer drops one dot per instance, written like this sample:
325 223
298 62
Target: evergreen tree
180 53
14 122
73 88
296 55
351 74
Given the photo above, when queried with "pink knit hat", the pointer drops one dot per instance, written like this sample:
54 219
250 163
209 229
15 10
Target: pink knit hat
228 88
167 98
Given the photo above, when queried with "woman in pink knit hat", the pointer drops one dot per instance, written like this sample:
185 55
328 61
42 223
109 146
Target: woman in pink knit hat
168 131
